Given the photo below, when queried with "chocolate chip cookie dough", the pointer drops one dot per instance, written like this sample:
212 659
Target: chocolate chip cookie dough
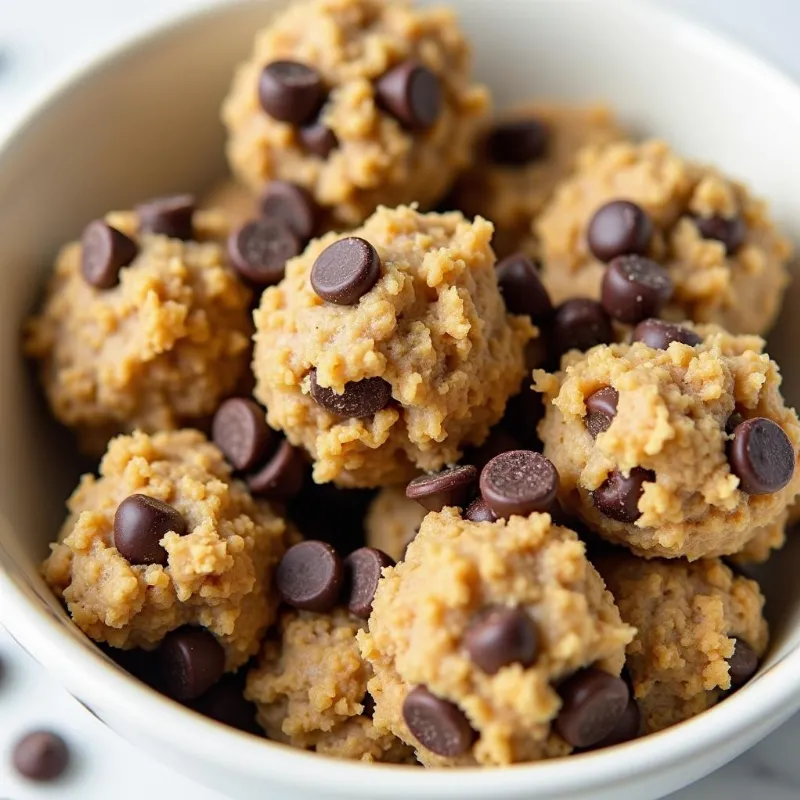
361 102
678 444
700 633
389 350
726 259
392 521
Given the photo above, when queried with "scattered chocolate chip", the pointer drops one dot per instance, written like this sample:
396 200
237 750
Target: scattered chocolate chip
318 139
291 92
240 430
259 250
310 576
635 288
743 664
522 288
519 482
293 206
601 408
345 271
438 725
360 398
412 94
225 703
593 704
629 727
660 335
362 571
190 662
761 455
524 411
517 143
168 216
282 476
499 636
730 231
618 497
41 756
104 252
479 511
619 228
451 487
140 523
580 324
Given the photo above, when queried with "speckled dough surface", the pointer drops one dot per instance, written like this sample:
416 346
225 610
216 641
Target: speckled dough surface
434 326
218 574
454 569
688 617
392 521
352 43
672 413
741 291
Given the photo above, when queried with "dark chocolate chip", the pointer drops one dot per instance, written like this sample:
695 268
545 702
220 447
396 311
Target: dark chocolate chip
761 455
743 664
629 727
310 576
660 335
41 756
438 725
619 228
240 430
104 252
360 398
291 92
618 497
168 216
519 482
517 143
225 702
259 250
140 523
730 231
499 636
190 661
345 271
522 288
412 94
601 408
452 487
635 288
318 139
362 571
580 324
292 205
282 476
479 511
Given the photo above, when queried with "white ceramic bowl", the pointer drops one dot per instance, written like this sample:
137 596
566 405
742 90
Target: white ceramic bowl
144 121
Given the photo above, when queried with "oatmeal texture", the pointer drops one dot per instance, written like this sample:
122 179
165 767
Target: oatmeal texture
453 569
237 202
218 575
741 291
434 327
671 418
392 521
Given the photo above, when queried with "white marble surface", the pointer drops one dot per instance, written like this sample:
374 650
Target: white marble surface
40 41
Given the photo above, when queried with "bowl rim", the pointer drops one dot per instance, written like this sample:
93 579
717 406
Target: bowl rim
759 707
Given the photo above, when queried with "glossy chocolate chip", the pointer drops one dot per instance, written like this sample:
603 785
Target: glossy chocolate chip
318 139
168 216
660 335
601 408
360 398
629 727
225 702
104 252
345 271
743 664
618 497
282 476
41 756
362 571
310 576
412 94
190 661
580 324
291 92
519 482
438 725
619 228
761 455
522 288
478 511
635 288
240 430
259 250
731 231
593 704
451 487
500 636
140 523
293 206
517 143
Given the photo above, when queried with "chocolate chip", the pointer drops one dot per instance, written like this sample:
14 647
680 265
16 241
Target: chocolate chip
291 92
41 756
282 476
635 288
500 636
259 250
412 94
318 139
140 523
619 228
362 571
730 231
519 482
522 288
517 143
761 455
659 335
593 704
345 271
629 727
168 216
438 725
360 398
580 324
240 430
743 664
618 497
601 408
310 576
451 487
293 206
225 702
190 662
479 511
104 252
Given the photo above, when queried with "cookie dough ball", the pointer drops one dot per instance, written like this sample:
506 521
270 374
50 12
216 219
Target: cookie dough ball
470 636
390 350
140 330
726 260
392 521
310 689
166 538
700 633
236 201
684 451
361 102
763 542
522 159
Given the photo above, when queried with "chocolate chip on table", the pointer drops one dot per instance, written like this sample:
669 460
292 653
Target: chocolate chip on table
104 252
293 205
731 231
499 636
225 703
41 756
580 324
619 228
601 408
618 497
635 288
291 92
362 571
519 482
240 430
659 335
629 727
345 271
438 725
743 664
517 143
450 487
318 138
360 398
761 455
169 216
259 250
310 576
190 662
593 704
479 511
522 288
140 523
412 94
282 476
